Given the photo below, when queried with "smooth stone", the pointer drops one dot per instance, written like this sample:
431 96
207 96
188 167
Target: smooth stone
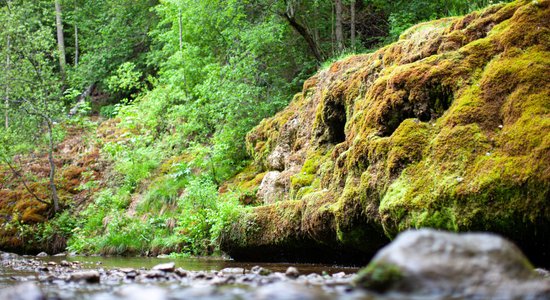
87 276
260 271
181 272
237 271
65 263
426 262
288 291
167 267
43 269
8 256
154 274
542 273
223 280
135 292
127 270
25 291
292 272
60 254
42 254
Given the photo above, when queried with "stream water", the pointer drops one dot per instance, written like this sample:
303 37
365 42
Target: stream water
193 278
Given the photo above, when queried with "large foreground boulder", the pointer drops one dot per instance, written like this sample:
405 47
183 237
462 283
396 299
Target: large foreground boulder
456 266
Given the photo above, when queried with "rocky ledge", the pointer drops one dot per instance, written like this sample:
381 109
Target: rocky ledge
446 128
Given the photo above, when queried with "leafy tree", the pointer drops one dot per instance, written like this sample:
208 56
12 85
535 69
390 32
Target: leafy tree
33 81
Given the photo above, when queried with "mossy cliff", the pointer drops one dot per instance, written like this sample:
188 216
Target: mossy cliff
448 128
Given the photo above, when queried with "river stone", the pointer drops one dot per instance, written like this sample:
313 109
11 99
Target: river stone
543 273
181 272
234 271
42 254
260 271
8 256
471 266
86 276
288 291
25 291
65 263
135 292
127 270
292 272
167 267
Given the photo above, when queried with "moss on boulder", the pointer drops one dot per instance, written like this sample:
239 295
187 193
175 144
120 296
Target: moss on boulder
446 128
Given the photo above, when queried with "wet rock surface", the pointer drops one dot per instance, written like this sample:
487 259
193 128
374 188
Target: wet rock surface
453 266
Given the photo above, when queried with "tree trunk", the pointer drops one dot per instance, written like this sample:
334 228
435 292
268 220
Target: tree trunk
60 38
352 26
339 30
55 197
180 23
7 96
76 50
313 47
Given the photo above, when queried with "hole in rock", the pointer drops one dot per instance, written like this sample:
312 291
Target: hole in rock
335 120
436 100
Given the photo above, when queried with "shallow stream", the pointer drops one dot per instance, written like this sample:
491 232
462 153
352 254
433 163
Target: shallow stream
192 278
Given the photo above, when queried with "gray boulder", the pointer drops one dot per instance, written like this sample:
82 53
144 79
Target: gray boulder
449 265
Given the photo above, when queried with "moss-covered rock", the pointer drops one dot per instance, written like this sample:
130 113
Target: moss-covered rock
446 128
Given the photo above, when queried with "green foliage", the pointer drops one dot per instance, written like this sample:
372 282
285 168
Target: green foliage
53 234
109 111
403 14
125 79
204 215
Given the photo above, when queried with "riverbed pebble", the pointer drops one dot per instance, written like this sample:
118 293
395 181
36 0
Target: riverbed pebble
292 272
167 267
181 272
232 271
260 271
42 254
85 276
136 292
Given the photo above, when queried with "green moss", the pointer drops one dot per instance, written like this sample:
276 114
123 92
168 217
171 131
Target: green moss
301 180
379 277
407 144
445 128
